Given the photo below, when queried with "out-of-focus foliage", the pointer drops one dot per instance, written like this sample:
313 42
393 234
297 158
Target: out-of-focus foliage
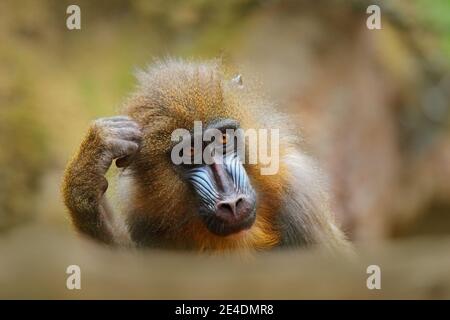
23 158
437 15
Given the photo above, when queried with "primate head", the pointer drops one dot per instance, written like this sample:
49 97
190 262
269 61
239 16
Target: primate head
213 194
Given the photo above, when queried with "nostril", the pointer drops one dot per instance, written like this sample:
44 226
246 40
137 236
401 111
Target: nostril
227 207
239 201
233 207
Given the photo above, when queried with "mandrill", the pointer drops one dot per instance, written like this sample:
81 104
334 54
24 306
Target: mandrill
225 204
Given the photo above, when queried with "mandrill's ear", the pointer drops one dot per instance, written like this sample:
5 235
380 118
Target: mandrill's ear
237 81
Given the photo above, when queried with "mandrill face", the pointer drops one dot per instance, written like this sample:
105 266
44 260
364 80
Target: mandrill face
214 171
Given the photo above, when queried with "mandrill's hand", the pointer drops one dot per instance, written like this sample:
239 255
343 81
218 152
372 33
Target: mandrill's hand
112 138
84 182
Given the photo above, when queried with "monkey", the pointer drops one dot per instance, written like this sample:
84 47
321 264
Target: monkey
222 206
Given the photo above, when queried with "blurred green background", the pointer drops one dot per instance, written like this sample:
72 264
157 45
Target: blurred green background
373 105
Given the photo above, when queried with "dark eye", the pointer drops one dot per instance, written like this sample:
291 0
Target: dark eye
224 140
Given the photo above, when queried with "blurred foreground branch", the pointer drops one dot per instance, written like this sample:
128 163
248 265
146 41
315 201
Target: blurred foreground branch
34 262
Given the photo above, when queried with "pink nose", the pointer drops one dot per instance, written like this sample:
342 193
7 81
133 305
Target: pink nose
233 209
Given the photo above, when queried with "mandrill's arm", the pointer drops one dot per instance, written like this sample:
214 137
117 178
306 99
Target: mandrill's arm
84 184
